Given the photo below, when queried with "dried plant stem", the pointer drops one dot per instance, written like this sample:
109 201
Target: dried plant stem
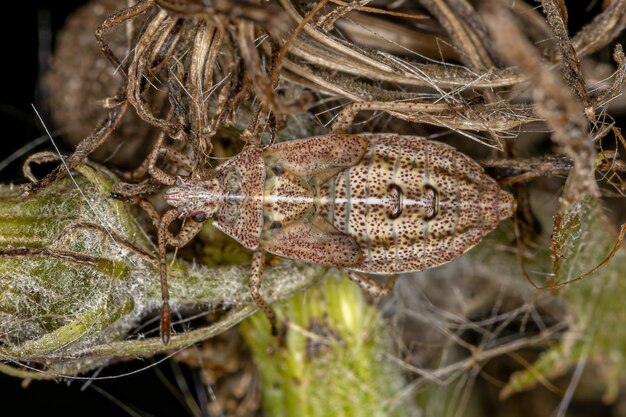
554 102
556 15
604 28
463 35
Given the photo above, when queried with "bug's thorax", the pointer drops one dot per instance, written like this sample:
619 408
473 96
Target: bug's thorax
240 210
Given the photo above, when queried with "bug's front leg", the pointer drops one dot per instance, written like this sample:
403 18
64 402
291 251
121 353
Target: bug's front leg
180 160
255 288
372 287
165 237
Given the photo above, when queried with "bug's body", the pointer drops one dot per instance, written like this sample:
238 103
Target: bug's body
376 203
371 203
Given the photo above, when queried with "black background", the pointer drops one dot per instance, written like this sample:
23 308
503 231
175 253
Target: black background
25 46
24 57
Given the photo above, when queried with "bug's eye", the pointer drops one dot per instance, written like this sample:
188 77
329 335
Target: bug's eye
198 217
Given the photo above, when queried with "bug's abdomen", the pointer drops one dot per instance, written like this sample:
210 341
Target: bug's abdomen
412 204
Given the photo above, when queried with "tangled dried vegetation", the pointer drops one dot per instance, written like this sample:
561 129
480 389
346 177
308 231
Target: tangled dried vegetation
197 74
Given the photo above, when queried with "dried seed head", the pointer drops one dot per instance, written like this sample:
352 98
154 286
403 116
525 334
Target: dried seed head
78 82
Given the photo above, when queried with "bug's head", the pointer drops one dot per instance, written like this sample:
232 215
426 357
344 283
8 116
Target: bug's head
195 199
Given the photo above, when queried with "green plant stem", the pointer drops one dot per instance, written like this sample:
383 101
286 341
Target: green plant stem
331 357
77 275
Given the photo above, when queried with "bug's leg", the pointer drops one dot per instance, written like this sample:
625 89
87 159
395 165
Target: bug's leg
255 288
165 294
130 190
149 209
372 287
158 149
165 237
321 157
158 176
178 158
345 118
156 172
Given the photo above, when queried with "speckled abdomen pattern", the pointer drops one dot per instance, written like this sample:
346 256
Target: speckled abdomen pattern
412 204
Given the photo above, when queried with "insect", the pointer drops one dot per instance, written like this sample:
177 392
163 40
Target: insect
368 203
